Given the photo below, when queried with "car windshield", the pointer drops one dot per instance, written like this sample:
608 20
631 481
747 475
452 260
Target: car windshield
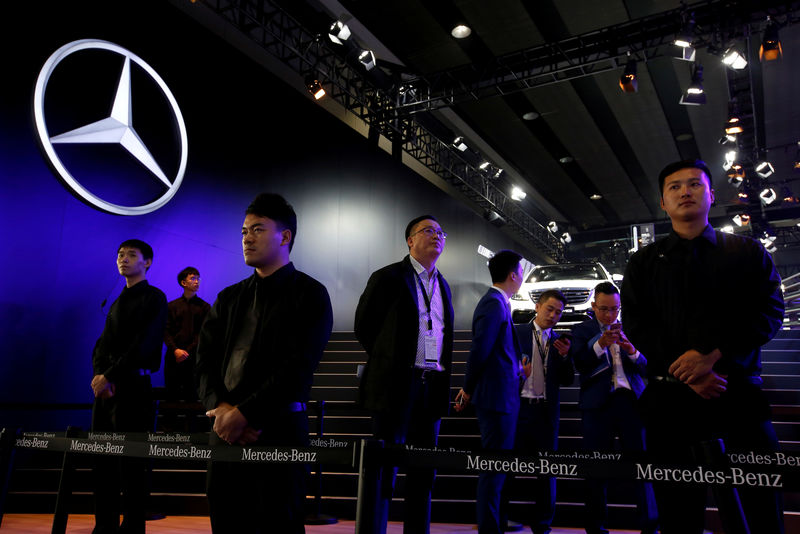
578 271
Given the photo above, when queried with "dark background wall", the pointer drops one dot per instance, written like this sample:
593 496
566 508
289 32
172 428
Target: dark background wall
248 132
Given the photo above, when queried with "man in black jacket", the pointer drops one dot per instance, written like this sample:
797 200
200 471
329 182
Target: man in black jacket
128 350
258 349
700 304
404 320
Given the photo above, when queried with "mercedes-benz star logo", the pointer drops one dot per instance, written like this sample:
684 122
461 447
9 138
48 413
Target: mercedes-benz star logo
116 128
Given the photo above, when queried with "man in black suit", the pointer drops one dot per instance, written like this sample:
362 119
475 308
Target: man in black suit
258 349
491 381
547 366
404 320
611 377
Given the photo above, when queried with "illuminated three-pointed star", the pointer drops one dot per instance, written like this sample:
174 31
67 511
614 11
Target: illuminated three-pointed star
117 128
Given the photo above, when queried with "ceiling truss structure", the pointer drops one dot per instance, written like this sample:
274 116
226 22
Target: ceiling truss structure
374 96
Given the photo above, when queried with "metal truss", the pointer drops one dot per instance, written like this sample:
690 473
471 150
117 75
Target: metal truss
591 53
377 98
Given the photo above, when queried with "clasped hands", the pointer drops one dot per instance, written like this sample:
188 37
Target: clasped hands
102 388
695 370
612 336
231 425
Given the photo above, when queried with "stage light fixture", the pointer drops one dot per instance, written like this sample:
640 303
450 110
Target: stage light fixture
695 96
743 196
734 59
728 229
797 157
459 143
727 139
339 32
552 226
765 169
460 31
787 196
517 193
770 49
484 165
314 87
686 34
769 242
498 173
367 58
730 160
566 239
767 196
741 219
733 126
629 81
736 178
595 196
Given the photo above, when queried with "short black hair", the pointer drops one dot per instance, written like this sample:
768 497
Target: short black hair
410 226
552 294
186 272
606 288
502 263
273 206
144 248
683 164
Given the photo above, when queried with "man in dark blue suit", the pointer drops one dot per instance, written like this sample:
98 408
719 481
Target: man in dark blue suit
611 372
404 320
492 377
547 366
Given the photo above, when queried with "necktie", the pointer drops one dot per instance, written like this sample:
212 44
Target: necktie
538 363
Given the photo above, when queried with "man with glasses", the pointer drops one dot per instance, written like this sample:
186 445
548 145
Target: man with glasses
611 379
186 315
404 320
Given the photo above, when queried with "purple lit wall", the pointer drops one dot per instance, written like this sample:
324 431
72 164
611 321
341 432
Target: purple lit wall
248 132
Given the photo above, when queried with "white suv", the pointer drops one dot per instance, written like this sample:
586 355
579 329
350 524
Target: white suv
575 280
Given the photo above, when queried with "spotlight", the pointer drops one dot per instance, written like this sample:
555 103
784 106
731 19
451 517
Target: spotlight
736 178
765 169
769 242
734 59
596 196
797 157
498 173
767 196
686 35
728 229
339 32
552 226
687 54
787 196
517 193
566 239
743 197
459 143
483 166
741 219
460 31
727 139
629 81
733 126
730 159
771 45
367 58
314 87
694 95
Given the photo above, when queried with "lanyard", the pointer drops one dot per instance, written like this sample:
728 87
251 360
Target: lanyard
427 298
542 351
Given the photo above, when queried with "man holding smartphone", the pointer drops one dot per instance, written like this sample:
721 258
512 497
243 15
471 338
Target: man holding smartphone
611 374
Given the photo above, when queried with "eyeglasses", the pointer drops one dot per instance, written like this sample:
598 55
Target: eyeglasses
430 231
606 309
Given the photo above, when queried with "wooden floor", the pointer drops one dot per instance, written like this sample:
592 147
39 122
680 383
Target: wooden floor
83 524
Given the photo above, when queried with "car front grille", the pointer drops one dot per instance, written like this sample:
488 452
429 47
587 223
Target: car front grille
573 296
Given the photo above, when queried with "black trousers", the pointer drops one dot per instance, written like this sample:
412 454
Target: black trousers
677 420
415 425
129 410
260 498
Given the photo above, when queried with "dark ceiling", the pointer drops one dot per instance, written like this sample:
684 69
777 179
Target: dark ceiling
561 60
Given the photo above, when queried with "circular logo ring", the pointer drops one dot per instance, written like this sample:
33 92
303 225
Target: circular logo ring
47 143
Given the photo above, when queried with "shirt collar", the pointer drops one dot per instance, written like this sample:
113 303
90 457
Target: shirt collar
708 234
418 267
545 332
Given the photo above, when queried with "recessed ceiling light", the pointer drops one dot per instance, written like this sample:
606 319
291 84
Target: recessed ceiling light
531 116
566 159
461 31
596 197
